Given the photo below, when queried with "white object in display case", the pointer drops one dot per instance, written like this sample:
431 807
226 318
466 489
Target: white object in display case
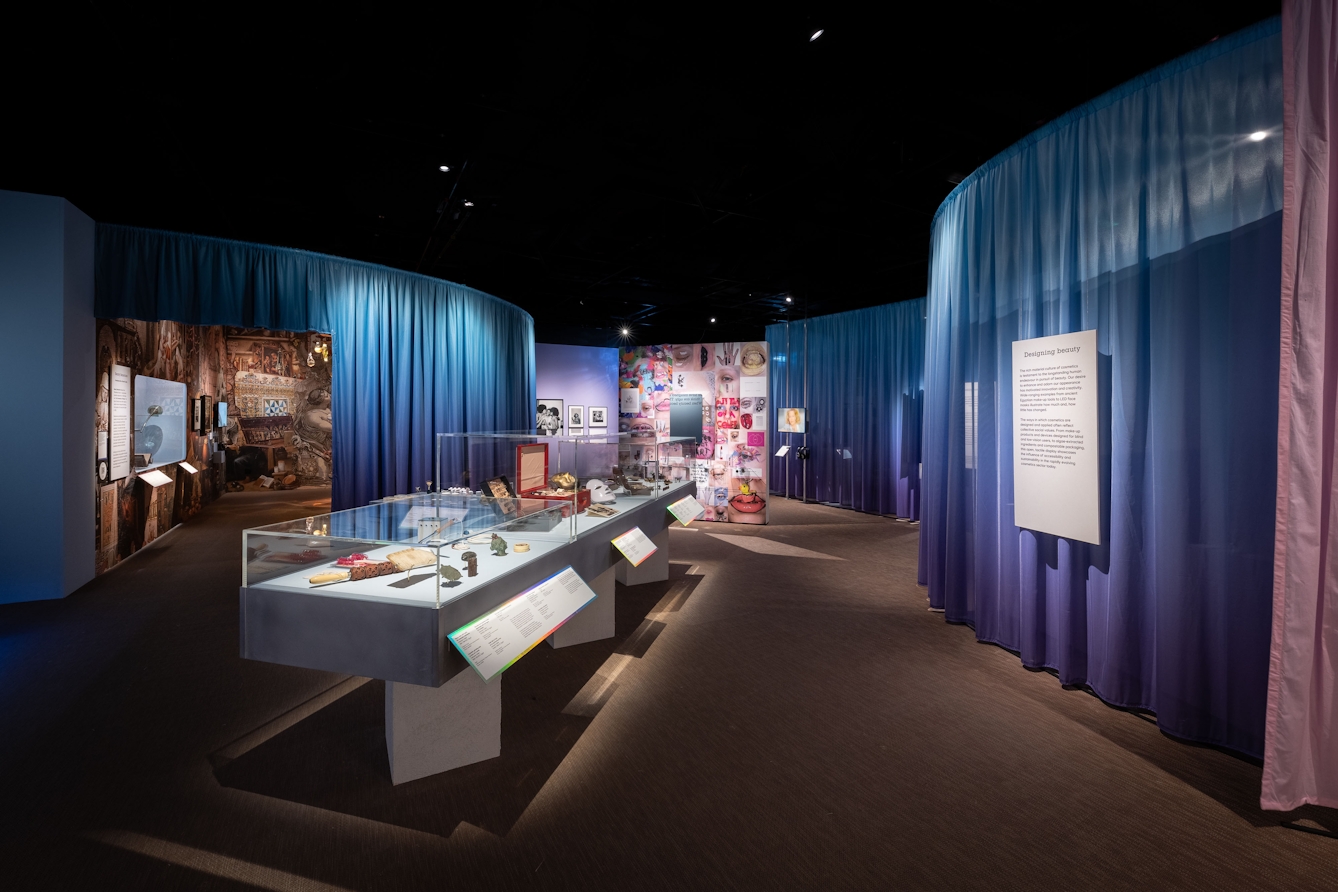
1057 436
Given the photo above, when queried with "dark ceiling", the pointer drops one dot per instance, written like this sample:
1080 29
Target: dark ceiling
644 166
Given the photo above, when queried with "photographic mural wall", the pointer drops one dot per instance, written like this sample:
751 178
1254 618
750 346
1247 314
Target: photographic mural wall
276 386
730 465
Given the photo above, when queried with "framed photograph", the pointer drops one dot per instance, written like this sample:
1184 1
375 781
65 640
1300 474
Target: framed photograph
221 411
196 408
548 417
206 415
792 420
575 419
599 416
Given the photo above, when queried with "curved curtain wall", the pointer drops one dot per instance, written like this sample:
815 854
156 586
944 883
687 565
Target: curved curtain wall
413 356
861 377
1151 216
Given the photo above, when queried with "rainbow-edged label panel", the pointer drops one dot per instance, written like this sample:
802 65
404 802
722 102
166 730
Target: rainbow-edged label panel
494 641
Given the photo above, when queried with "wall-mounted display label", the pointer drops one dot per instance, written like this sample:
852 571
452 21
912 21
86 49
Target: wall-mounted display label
782 452
119 449
504 634
635 546
687 510
1056 436
155 478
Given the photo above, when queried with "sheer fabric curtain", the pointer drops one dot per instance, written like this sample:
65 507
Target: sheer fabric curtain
1301 756
863 374
413 356
1152 215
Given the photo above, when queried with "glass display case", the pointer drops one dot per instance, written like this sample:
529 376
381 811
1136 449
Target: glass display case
597 475
424 549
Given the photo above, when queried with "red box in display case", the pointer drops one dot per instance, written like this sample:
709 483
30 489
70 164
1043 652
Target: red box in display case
532 478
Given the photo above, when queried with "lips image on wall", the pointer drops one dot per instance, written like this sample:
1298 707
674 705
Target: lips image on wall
642 428
682 352
747 508
746 421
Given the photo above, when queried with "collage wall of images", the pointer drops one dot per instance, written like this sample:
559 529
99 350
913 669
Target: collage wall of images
278 404
730 465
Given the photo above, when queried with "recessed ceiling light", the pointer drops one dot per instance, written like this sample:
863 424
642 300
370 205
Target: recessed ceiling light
788 299
469 204
1259 135
444 168
816 35
626 332
712 318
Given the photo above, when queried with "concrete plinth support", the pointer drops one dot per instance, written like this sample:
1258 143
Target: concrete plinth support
653 569
431 730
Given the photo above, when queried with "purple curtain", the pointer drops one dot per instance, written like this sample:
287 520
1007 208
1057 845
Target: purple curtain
1153 216
1301 752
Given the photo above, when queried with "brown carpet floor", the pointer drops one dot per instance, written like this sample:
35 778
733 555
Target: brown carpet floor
783 720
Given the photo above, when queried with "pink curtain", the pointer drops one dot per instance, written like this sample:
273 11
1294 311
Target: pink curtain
1301 737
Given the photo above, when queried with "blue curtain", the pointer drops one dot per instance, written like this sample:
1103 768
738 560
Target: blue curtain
1152 215
861 377
413 356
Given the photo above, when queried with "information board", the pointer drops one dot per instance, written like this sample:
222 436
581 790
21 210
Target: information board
685 415
494 641
687 510
119 452
1056 436
635 546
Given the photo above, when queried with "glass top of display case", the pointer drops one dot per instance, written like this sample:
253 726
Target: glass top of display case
602 473
415 550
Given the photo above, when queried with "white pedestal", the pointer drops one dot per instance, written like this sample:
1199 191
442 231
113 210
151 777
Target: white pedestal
653 569
595 621
431 730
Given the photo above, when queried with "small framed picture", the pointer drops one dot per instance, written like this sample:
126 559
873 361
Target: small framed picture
197 406
599 416
575 419
206 415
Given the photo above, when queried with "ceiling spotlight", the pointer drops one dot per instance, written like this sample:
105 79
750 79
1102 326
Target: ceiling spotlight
788 299
626 332
712 318
444 168
1259 136
469 204
816 35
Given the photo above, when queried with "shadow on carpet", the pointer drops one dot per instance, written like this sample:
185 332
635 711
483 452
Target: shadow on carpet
336 758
